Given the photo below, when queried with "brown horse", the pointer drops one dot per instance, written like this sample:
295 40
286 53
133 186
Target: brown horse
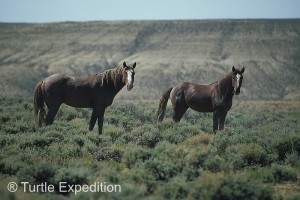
96 92
216 98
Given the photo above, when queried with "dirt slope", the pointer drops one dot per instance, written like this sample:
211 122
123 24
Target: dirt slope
166 52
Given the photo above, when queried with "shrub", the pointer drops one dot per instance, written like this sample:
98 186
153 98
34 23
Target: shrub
236 187
191 173
205 186
36 174
36 141
175 189
196 158
79 141
66 151
126 138
280 173
293 159
109 153
10 166
179 132
72 176
243 155
287 145
54 136
100 140
114 132
149 139
199 159
215 163
6 140
135 155
294 197
161 170
19 127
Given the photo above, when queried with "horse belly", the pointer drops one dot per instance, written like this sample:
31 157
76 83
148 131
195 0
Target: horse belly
201 104
78 100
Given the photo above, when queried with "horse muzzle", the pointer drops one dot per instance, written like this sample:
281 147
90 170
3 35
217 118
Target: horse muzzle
129 87
237 91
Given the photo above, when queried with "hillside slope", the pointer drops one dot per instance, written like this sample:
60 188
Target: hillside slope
166 52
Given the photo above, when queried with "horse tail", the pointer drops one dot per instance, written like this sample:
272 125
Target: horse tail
38 104
163 104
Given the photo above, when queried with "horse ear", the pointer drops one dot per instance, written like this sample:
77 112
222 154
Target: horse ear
134 64
233 68
242 71
124 64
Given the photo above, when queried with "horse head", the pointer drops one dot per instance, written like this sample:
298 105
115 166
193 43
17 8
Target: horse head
128 75
237 79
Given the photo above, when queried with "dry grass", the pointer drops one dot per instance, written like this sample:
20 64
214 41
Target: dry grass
203 139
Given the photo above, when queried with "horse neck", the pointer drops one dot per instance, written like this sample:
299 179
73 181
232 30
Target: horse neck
225 86
113 80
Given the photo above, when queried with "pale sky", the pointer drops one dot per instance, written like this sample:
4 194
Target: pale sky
39 11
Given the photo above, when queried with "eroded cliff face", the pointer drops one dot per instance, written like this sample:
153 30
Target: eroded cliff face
166 52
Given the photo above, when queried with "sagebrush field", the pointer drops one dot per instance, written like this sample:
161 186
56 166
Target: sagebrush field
255 157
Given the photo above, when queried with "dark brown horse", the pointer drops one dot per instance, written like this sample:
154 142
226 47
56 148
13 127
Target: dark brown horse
216 98
96 92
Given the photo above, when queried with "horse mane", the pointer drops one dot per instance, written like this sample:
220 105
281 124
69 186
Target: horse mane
112 76
225 84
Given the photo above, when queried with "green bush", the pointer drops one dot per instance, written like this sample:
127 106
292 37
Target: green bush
287 145
161 170
215 163
109 153
153 161
236 187
294 197
37 174
72 176
243 155
179 132
6 140
149 139
100 140
135 156
293 159
36 142
196 158
10 166
177 188
79 141
280 173
205 186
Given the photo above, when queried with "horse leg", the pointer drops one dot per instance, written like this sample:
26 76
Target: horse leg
93 119
216 116
98 113
178 111
51 114
100 121
222 120
179 105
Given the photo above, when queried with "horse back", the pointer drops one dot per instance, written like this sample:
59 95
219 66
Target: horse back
196 96
73 91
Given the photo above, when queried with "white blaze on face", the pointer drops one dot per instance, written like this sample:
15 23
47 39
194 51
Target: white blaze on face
238 78
129 79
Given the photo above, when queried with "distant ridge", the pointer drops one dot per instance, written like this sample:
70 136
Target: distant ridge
166 52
